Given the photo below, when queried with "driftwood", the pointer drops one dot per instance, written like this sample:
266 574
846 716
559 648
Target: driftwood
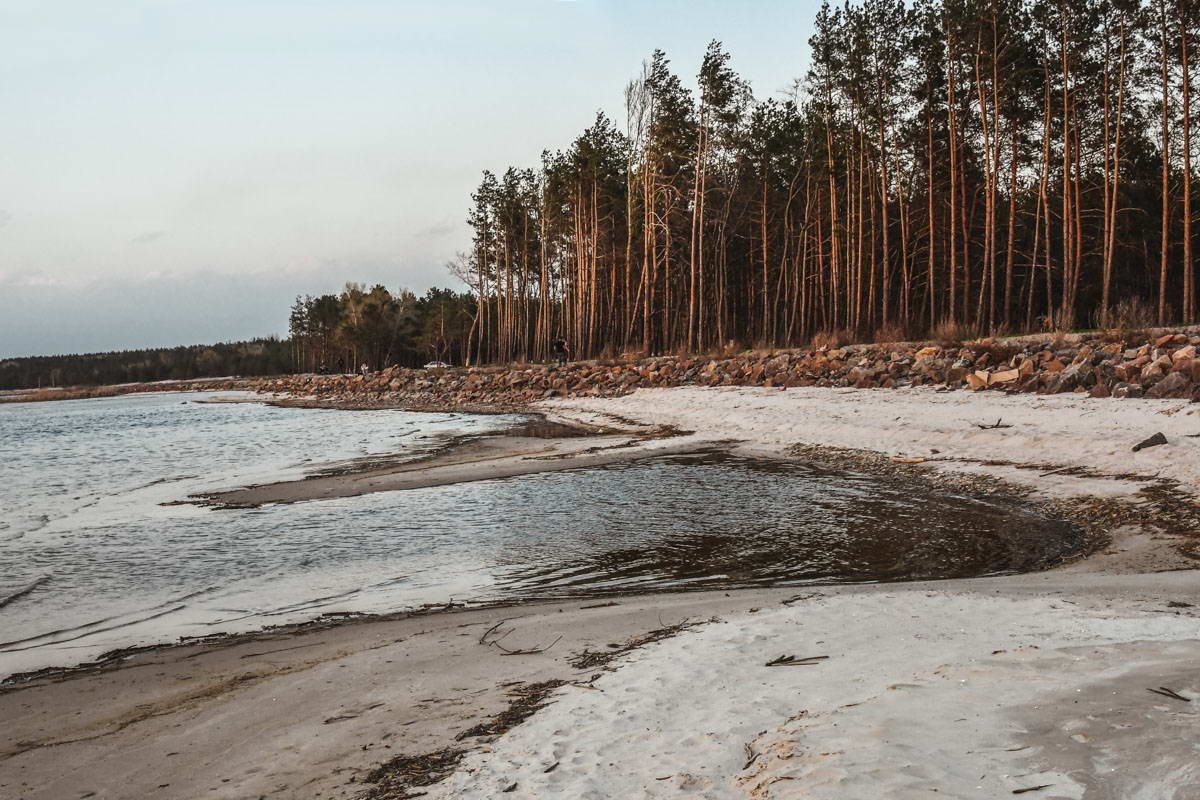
1171 693
1032 788
999 424
792 661
487 641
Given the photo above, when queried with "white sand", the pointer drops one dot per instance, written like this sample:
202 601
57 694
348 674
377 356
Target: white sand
970 691
914 700
1058 430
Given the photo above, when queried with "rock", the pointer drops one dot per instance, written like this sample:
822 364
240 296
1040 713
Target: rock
1188 352
1174 385
1124 390
977 381
927 353
1005 376
1099 390
1153 441
1150 375
1054 365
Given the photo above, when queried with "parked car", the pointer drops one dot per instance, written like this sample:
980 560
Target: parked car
436 365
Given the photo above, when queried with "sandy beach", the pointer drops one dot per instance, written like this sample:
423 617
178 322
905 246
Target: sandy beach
1077 682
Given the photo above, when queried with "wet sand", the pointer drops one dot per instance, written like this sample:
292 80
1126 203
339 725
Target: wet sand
310 714
537 446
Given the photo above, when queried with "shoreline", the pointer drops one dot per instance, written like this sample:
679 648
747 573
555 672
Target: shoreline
536 446
1156 363
335 729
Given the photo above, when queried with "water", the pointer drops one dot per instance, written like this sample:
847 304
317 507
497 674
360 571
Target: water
81 522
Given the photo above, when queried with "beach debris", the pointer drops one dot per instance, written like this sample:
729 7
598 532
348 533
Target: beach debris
526 699
512 787
792 661
999 424
550 768
599 605
798 597
491 639
1153 441
1032 788
909 459
355 714
394 778
588 659
1171 693
1178 604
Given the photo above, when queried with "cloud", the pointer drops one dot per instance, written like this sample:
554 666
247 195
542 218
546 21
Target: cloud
148 237
437 230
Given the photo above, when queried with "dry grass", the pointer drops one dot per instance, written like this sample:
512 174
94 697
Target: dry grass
832 339
951 332
890 333
1129 318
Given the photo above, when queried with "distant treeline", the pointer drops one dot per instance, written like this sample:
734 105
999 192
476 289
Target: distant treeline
340 331
270 356
379 329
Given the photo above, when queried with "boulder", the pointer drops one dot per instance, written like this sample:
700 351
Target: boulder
1174 385
1054 365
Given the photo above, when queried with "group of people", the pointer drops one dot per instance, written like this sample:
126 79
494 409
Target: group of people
365 369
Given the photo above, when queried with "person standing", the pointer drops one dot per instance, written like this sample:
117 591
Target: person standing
562 351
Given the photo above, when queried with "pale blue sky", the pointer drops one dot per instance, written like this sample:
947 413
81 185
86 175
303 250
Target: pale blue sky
176 171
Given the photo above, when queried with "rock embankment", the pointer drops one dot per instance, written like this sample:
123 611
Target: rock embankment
1160 366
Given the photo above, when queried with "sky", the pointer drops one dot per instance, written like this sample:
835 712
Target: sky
178 171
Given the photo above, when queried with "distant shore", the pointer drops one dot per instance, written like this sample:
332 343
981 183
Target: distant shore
1159 363
990 686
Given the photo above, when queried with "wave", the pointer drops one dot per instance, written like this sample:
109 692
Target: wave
24 590
90 629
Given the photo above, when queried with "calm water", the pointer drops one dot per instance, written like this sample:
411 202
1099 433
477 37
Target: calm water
81 483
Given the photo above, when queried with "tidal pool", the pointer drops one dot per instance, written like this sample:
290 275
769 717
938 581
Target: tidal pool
90 559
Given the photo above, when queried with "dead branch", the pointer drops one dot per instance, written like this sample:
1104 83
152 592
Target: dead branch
1174 695
792 661
524 651
484 638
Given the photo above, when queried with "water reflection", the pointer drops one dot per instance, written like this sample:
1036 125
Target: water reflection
716 520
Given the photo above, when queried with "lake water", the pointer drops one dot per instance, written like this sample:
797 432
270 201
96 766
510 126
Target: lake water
82 485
